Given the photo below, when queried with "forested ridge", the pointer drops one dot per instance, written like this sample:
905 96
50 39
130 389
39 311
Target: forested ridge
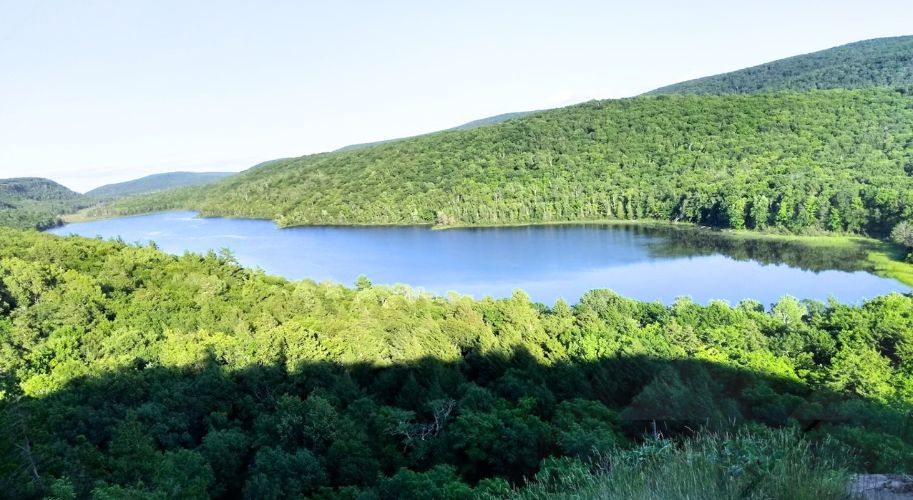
836 160
154 183
32 202
881 62
128 372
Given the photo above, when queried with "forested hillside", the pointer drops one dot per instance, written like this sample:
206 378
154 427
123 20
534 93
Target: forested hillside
32 202
837 160
882 62
154 183
130 373
36 203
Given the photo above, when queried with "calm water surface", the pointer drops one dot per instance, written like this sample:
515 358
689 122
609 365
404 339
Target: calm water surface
547 262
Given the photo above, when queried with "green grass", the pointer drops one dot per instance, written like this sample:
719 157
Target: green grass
884 258
762 464
887 263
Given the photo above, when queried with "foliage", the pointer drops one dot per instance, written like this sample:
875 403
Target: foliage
869 63
30 202
128 372
36 203
811 162
902 234
753 465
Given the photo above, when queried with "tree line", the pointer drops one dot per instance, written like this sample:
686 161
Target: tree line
882 62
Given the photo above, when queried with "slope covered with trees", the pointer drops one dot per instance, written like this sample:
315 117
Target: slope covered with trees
130 373
154 183
881 62
33 202
837 160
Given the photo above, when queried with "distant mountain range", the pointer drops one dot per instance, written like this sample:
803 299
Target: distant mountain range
155 182
871 63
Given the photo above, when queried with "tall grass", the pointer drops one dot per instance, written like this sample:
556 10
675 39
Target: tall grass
758 464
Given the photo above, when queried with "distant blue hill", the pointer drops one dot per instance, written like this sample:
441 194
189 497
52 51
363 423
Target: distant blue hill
154 183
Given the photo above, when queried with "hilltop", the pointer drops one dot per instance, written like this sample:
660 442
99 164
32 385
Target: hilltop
881 62
155 182
481 122
34 202
38 203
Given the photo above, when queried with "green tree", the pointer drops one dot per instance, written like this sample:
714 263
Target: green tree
279 474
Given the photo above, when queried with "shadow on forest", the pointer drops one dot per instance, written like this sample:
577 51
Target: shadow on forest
486 415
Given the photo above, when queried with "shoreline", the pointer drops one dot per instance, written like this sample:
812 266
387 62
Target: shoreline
885 259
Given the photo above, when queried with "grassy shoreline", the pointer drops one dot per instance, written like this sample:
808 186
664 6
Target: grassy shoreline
884 258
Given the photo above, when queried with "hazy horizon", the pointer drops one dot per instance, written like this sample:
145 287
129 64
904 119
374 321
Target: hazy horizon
103 92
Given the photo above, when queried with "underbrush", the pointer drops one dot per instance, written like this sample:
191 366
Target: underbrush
756 464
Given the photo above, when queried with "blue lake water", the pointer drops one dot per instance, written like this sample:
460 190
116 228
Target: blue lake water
547 262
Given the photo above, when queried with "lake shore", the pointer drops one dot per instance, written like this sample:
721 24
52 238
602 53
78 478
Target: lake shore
883 258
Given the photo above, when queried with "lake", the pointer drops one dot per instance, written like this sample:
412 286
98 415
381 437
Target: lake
642 262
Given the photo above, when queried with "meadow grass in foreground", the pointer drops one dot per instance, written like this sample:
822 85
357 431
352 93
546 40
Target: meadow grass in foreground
757 464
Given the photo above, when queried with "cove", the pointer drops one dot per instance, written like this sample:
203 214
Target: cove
547 262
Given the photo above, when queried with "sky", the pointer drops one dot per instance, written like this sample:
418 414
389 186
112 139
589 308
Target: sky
93 92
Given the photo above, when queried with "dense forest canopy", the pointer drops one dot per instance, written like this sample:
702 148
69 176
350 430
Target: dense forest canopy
30 202
128 372
836 160
882 62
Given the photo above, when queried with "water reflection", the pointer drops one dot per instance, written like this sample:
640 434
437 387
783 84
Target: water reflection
643 262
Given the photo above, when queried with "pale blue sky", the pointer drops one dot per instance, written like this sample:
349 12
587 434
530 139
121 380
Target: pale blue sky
93 92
